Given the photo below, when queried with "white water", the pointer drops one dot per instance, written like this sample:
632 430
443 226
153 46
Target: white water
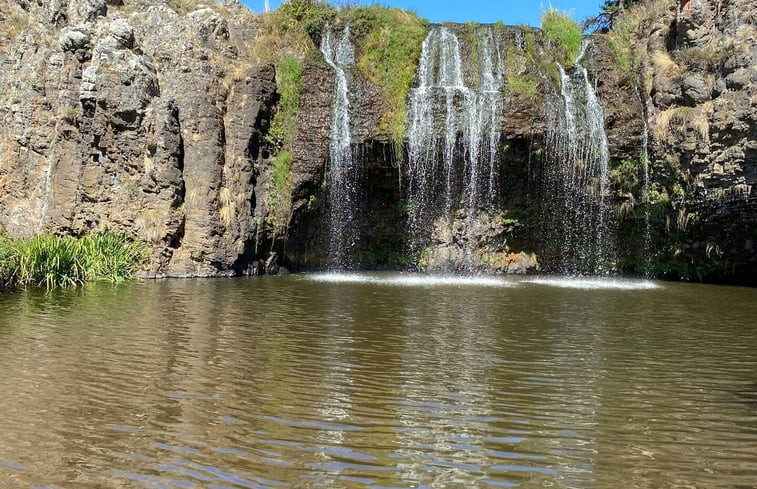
578 175
342 172
586 283
410 280
419 280
460 171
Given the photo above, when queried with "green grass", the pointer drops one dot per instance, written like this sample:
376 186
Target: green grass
64 261
563 30
291 30
281 137
280 193
521 87
289 82
310 15
391 41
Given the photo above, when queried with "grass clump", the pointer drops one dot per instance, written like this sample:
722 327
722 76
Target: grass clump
309 15
281 138
292 30
391 41
560 28
289 82
64 261
521 87
280 193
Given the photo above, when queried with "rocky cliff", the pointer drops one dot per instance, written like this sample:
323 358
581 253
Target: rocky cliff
155 118
136 116
692 67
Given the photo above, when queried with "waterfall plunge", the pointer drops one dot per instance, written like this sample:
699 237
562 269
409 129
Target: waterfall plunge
454 133
342 234
577 176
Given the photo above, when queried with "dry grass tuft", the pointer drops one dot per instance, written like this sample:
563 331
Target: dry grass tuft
665 65
696 118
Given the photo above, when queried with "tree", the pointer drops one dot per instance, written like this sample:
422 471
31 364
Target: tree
611 9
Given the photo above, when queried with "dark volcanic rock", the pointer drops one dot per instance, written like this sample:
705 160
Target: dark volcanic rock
152 117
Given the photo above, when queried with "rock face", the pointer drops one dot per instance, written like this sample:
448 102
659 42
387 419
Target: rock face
477 243
135 119
152 117
700 102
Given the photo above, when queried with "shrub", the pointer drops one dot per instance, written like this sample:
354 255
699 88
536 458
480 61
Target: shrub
562 29
626 177
392 41
311 15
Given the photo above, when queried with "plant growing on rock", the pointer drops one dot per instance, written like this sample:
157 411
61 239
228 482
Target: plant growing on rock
281 138
391 41
560 28
280 193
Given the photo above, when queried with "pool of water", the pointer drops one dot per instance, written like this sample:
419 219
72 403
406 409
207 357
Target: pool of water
380 381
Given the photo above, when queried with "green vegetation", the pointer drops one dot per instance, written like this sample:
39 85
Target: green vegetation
471 31
611 10
289 82
280 193
309 15
281 138
290 30
64 261
623 30
391 41
521 86
425 256
560 28
626 176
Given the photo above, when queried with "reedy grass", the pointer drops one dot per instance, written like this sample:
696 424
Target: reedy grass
562 29
63 261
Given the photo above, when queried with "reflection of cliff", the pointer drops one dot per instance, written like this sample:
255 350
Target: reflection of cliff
288 381
159 118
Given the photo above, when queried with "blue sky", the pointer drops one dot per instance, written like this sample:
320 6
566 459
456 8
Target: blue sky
484 11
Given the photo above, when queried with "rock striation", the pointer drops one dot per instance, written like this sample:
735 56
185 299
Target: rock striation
133 117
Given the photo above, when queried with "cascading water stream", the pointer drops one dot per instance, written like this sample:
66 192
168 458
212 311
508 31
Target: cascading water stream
459 172
578 175
647 234
342 171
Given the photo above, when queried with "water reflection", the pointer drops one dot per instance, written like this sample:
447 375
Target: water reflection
290 382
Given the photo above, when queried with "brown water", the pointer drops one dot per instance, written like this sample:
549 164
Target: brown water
298 383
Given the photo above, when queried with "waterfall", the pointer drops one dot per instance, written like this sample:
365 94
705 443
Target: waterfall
578 175
342 178
458 172
646 234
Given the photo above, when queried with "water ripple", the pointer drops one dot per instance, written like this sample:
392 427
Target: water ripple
298 383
